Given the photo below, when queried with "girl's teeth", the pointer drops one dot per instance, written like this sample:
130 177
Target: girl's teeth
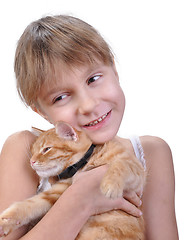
97 121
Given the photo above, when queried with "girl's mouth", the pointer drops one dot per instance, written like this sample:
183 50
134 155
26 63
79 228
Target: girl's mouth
95 122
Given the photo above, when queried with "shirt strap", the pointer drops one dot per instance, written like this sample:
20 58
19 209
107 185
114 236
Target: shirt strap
138 149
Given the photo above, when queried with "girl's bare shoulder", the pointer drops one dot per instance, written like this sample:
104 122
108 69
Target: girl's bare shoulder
17 178
24 137
155 150
18 143
152 142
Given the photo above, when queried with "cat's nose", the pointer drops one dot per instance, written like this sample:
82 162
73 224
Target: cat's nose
32 162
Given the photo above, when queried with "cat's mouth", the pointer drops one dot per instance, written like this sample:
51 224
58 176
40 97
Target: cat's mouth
47 172
98 120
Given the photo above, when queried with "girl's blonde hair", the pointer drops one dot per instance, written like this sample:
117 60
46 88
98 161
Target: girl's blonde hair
52 39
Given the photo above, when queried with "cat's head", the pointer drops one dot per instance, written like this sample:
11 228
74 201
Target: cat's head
57 148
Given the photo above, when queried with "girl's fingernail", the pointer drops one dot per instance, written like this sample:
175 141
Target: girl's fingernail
140 203
140 213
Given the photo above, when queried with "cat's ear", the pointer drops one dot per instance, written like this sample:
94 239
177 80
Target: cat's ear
65 131
36 131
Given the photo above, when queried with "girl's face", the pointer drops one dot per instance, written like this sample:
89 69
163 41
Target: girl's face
88 97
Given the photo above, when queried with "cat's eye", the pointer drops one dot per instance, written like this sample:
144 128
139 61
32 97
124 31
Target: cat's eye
45 150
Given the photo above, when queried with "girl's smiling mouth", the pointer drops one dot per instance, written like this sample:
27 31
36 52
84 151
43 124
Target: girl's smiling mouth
98 120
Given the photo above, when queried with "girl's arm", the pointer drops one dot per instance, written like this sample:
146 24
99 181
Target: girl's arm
17 180
66 218
159 194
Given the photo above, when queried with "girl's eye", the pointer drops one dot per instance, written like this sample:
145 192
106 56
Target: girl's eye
93 79
61 97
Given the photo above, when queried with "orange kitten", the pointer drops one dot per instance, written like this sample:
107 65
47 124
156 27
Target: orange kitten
57 149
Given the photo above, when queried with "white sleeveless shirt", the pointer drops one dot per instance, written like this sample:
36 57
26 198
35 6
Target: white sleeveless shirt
138 149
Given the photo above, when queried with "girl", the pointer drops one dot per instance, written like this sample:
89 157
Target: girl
65 71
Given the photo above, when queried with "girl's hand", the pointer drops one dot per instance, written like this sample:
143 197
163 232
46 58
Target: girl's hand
87 190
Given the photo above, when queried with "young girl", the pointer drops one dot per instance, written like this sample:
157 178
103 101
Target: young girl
65 71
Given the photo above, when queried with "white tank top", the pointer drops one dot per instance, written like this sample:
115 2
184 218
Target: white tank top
138 149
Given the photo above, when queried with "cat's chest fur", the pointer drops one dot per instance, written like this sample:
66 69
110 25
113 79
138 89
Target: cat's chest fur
46 183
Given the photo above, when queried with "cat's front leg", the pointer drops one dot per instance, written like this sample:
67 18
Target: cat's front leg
124 174
13 217
22 213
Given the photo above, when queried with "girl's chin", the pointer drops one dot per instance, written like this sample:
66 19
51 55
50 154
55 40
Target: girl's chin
101 138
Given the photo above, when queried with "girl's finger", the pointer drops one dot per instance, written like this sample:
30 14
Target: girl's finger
133 198
130 208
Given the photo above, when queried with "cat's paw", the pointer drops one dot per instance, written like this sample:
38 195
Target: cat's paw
111 189
9 221
7 225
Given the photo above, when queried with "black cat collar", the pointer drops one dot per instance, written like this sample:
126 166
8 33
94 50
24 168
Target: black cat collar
71 170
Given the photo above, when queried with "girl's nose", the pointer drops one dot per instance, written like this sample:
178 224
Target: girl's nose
87 103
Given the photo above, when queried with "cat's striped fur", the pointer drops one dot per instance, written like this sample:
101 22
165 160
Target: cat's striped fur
56 149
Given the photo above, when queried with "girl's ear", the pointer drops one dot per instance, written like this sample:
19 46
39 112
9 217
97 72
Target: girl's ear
36 131
65 131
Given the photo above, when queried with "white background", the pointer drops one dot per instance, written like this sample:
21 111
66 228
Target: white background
148 38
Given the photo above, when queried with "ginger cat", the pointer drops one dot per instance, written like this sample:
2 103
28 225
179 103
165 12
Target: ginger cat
56 149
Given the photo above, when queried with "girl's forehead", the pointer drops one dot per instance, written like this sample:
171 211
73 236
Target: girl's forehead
65 76
63 71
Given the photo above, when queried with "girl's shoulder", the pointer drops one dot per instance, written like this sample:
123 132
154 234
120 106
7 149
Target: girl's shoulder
150 145
153 142
16 152
153 151
156 150
23 136
19 141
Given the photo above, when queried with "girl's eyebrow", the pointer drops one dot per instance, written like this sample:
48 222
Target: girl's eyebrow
93 68
88 71
49 93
